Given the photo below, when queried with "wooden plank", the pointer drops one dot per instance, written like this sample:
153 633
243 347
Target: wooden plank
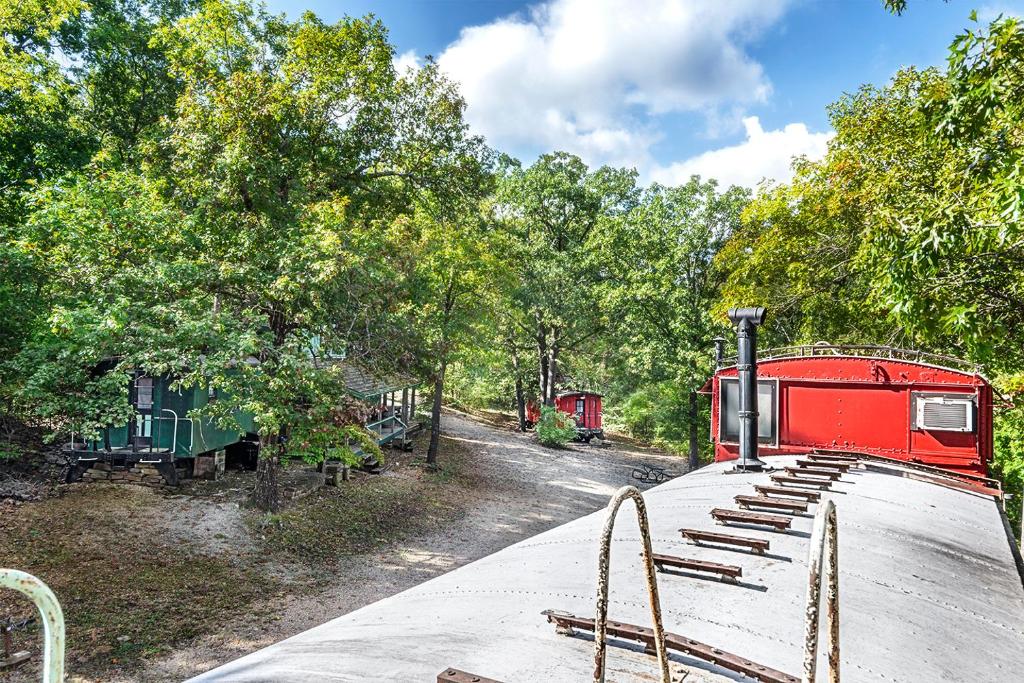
758 545
565 623
813 471
835 457
820 484
772 503
823 465
727 571
777 522
810 496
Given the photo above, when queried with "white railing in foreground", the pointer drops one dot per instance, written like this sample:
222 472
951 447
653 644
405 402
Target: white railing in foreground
824 549
601 621
52 616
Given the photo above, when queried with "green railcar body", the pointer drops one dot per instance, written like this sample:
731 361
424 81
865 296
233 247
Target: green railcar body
168 430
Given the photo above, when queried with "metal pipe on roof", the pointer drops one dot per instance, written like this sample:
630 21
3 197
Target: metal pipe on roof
746 321
719 351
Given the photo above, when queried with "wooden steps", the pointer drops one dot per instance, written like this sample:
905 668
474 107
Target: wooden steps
813 471
727 572
776 522
696 536
747 502
809 496
820 484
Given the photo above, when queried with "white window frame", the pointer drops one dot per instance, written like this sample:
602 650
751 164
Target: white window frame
774 442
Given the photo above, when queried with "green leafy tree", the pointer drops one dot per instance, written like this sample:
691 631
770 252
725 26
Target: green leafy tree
265 217
550 211
659 283
452 290
555 428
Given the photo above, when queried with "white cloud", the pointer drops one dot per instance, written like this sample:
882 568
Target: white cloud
764 154
590 76
989 13
407 60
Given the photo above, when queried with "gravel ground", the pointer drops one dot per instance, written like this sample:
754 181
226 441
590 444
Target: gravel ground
521 489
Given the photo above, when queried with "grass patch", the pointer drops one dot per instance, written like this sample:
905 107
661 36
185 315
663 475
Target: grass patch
125 594
355 517
370 511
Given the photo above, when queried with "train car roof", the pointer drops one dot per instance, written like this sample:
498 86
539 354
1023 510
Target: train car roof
930 589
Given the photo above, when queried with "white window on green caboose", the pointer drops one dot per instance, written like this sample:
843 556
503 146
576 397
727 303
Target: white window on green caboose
767 411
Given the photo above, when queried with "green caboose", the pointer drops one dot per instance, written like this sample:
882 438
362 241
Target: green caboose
161 431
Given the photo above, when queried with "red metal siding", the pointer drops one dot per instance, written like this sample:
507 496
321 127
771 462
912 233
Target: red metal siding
591 408
865 405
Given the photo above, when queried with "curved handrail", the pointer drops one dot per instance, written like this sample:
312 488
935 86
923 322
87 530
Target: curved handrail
53 619
601 622
825 536
174 433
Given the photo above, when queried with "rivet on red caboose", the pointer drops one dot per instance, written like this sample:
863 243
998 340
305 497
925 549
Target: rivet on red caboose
924 408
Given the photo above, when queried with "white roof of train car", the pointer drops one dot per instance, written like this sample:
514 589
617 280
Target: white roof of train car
929 590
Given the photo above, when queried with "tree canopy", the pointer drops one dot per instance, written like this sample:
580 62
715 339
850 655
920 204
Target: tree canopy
207 191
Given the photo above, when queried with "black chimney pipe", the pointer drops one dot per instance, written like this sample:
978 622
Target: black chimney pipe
719 351
746 321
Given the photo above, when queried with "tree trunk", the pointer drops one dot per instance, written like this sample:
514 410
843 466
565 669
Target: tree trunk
694 449
266 495
542 354
552 380
435 416
520 404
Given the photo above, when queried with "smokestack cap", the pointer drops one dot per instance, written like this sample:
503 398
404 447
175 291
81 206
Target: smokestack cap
754 314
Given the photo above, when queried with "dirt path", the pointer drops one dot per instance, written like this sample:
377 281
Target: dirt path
520 490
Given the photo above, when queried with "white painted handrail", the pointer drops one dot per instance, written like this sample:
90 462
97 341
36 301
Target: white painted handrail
601 621
52 617
824 549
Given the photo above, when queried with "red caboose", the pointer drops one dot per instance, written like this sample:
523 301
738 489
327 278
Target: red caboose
584 406
874 400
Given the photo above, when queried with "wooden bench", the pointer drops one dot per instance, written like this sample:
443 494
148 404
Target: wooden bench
820 484
776 522
727 572
813 471
747 502
695 536
810 496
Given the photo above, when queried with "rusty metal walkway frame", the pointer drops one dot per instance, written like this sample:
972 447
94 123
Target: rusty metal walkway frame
52 617
824 548
604 559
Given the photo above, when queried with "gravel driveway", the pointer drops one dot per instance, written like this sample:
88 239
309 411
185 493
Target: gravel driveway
524 490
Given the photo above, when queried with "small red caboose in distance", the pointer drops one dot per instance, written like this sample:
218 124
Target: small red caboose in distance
584 406
874 400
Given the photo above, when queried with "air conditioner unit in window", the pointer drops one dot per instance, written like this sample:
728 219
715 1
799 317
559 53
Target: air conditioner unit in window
945 413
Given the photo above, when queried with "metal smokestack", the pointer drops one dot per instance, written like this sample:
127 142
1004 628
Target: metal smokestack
719 351
746 321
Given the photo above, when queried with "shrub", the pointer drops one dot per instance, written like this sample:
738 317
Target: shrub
555 428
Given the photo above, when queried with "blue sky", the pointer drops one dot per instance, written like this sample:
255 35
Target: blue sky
724 88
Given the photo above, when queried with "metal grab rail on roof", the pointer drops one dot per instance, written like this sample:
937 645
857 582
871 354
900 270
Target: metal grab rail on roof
601 621
53 619
864 351
824 548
